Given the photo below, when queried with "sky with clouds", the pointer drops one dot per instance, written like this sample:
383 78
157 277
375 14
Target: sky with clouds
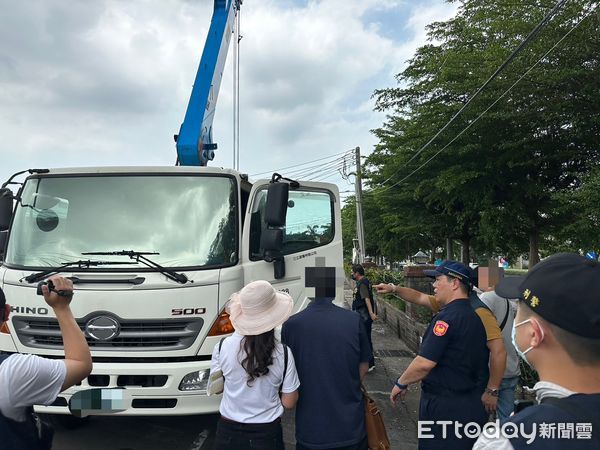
106 82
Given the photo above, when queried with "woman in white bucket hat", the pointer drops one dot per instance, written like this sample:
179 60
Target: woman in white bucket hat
259 372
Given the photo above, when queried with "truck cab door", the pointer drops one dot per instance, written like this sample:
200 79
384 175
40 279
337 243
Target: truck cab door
311 230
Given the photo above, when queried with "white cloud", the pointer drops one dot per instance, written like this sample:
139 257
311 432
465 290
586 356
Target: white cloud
107 82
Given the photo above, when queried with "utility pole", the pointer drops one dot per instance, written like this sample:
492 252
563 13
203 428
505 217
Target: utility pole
360 227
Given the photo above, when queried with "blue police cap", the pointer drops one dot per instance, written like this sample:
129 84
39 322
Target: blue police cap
452 269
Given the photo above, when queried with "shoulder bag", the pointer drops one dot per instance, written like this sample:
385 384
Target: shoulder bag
376 432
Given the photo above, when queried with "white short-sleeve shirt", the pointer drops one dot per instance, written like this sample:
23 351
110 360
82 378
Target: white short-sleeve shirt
27 380
259 402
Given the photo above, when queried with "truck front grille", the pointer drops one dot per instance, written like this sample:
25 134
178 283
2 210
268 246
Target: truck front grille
132 335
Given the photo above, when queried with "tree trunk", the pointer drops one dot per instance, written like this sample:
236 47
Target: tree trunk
534 247
432 259
464 252
449 249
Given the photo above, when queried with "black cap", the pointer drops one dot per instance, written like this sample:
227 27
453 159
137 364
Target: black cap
563 289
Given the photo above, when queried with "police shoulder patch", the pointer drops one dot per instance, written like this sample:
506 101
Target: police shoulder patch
440 328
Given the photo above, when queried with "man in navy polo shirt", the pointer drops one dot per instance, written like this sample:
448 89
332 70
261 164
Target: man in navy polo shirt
332 354
557 332
450 360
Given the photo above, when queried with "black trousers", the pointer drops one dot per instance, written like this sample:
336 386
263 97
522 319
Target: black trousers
460 409
248 436
369 327
366 319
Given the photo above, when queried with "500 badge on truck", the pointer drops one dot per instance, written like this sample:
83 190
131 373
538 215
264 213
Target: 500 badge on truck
187 311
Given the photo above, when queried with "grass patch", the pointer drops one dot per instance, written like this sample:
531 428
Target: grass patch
515 272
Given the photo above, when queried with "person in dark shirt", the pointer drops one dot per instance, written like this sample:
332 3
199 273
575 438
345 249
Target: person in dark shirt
557 332
451 357
364 304
332 354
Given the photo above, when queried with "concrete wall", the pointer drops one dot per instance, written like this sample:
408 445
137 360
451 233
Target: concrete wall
405 324
405 327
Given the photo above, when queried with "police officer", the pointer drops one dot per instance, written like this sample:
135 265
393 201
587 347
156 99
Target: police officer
489 380
27 380
364 304
557 332
451 357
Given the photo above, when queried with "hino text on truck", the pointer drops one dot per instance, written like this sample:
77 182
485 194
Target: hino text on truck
155 253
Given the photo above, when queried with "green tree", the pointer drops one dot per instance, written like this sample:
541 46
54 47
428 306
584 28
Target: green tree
500 184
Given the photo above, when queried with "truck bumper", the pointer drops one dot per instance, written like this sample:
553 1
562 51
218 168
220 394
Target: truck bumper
152 388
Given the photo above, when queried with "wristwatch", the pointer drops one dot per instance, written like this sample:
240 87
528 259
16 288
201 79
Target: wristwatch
492 392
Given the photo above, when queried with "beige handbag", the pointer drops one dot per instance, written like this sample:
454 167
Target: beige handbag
216 380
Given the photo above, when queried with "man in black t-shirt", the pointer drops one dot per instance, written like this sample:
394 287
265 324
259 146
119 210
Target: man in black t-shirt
364 304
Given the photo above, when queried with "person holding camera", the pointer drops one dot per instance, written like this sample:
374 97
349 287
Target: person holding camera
557 332
27 380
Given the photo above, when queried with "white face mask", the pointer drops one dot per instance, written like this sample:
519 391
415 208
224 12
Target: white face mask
514 339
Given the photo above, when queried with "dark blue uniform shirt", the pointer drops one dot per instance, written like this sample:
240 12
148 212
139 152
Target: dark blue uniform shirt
571 424
328 344
456 341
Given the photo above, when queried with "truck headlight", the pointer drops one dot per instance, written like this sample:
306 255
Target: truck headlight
195 381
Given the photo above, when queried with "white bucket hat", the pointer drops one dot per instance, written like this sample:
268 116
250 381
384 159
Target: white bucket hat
258 308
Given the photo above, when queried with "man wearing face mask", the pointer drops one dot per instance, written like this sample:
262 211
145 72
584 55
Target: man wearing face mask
557 332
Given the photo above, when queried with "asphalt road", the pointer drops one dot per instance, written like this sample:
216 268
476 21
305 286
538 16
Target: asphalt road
138 433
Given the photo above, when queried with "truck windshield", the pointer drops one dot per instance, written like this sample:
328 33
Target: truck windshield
190 221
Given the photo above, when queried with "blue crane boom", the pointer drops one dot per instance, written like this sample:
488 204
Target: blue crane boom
195 146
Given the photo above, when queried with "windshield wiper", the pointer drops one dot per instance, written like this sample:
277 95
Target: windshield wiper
140 257
82 263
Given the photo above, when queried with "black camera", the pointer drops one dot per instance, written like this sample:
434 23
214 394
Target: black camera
48 283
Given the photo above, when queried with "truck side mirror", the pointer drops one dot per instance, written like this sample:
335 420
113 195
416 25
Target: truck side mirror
271 239
3 239
6 208
276 208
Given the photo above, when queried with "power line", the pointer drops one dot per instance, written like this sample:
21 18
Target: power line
329 173
301 164
328 177
307 171
321 172
341 164
488 108
512 56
